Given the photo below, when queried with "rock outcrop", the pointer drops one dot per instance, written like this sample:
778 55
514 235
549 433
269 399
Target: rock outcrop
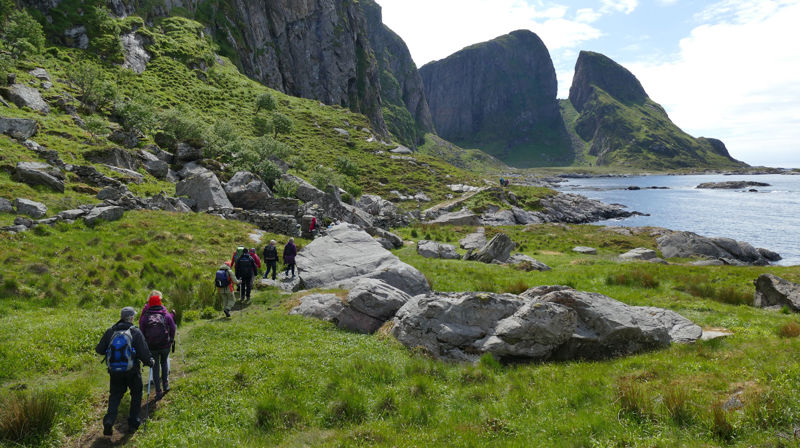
35 173
247 191
497 249
31 208
625 127
205 190
19 128
500 96
732 185
27 96
432 249
729 251
347 254
773 291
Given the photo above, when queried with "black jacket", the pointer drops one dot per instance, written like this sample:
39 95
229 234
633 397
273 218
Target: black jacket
139 344
245 266
270 253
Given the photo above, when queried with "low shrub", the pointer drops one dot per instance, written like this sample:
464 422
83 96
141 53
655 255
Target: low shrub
27 417
636 278
789 330
517 287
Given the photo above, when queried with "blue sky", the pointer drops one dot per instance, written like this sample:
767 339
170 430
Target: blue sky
728 69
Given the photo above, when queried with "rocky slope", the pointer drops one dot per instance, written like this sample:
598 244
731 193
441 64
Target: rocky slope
621 125
500 96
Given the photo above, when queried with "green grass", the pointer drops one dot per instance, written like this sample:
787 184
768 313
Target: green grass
264 378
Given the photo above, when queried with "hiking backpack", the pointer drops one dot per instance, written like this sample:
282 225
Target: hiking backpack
245 266
156 331
120 353
239 252
222 279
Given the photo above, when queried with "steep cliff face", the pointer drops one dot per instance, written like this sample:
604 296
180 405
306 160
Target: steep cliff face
405 107
309 48
622 126
500 96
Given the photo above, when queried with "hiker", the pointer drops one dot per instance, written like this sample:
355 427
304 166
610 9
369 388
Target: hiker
289 252
245 269
236 254
158 327
271 259
256 260
124 347
312 228
224 282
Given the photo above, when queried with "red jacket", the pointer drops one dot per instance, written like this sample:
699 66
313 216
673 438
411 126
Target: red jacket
255 258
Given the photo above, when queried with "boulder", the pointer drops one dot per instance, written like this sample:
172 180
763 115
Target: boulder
369 304
128 139
71 215
23 221
113 192
688 244
460 218
247 191
526 263
640 253
160 154
116 157
498 248
129 175
157 168
773 291
35 173
386 214
136 57
27 96
19 128
305 191
499 218
40 74
205 190
163 202
474 240
394 241
585 250
110 213
464 326
348 253
608 328
6 206
188 153
192 168
432 249
325 307
33 209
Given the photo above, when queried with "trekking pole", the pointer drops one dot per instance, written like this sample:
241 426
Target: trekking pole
183 358
147 402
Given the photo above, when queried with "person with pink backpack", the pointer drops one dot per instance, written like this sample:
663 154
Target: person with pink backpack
158 327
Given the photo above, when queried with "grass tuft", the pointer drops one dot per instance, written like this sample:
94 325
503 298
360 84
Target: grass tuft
27 417
720 426
676 401
789 330
633 399
636 278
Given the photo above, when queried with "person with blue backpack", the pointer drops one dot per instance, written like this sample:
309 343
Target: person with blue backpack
224 281
124 348
158 327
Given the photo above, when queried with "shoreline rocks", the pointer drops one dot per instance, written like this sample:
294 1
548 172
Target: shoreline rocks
727 250
732 185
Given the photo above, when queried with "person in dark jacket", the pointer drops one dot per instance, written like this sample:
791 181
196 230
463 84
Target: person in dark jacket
289 252
245 270
158 327
132 379
271 259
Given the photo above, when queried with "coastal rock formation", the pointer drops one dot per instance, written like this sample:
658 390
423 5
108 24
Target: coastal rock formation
500 96
732 185
542 323
625 127
347 254
773 291
729 251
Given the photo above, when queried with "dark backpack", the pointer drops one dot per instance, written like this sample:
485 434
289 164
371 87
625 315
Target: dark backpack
120 353
244 266
156 331
222 279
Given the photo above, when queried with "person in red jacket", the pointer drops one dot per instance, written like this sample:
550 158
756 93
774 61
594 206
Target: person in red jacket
158 327
255 258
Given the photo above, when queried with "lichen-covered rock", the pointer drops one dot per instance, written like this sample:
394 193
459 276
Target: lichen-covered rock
474 240
526 263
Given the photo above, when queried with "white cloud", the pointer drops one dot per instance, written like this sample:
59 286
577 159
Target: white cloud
587 15
737 80
623 6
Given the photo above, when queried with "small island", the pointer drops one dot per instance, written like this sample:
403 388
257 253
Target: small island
732 185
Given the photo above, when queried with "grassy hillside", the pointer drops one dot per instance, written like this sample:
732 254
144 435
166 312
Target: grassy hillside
264 378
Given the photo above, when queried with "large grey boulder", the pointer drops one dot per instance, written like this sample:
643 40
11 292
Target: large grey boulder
369 304
33 209
474 240
432 249
110 213
608 328
305 191
205 190
498 248
247 191
459 218
497 217
116 157
35 173
385 213
348 253
191 169
688 244
6 206
773 291
188 153
325 307
585 250
27 96
464 326
19 128
526 263
640 253
386 238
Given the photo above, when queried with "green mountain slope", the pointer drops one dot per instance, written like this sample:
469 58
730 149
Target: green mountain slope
621 126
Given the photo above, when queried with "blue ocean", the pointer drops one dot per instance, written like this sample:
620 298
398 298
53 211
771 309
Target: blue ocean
768 218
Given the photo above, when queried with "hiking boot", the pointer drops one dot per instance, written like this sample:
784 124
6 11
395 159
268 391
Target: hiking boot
107 429
166 388
227 313
159 395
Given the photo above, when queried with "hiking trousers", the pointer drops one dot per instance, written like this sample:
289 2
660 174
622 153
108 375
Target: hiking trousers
119 384
272 265
228 300
247 286
160 369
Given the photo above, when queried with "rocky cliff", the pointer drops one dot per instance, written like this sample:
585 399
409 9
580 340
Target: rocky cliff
405 107
500 96
621 125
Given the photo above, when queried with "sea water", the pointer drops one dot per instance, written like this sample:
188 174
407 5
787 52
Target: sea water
768 217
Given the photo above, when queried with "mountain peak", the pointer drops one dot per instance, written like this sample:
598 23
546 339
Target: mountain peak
595 69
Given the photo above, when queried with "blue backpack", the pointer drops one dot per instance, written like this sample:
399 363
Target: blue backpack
120 353
222 279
